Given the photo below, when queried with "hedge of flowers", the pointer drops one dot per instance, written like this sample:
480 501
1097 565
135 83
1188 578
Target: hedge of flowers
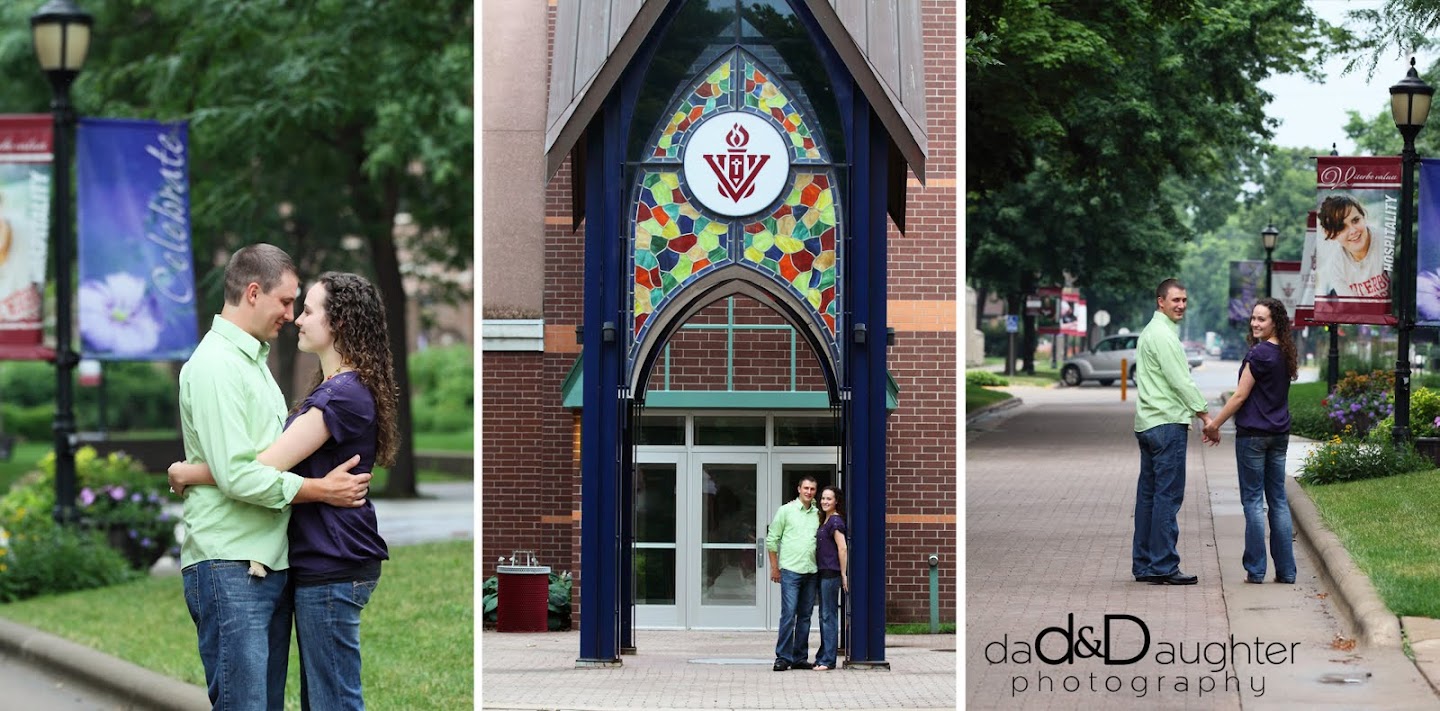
1360 402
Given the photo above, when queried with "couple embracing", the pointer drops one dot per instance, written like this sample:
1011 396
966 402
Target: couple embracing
807 550
278 526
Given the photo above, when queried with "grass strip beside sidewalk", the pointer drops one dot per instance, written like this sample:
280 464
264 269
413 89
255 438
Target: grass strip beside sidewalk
1390 528
417 633
977 397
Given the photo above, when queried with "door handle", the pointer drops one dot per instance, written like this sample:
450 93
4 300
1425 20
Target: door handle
760 550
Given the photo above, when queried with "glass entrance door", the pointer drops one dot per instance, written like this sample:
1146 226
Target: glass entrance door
658 481
728 569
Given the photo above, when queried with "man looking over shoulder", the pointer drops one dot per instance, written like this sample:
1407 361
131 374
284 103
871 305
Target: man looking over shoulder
1167 400
236 549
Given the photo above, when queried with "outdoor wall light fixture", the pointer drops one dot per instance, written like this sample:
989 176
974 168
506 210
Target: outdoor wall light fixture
61 32
890 337
1410 107
607 332
858 334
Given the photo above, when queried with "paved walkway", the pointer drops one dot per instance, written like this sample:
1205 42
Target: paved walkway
707 670
1049 518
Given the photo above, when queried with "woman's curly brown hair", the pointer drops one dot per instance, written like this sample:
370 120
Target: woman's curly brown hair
357 320
1281 320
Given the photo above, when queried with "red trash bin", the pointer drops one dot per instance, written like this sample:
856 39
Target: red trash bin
524 599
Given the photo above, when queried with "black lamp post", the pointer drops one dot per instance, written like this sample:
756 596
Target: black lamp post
1268 237
1332 374
62 39
1410 106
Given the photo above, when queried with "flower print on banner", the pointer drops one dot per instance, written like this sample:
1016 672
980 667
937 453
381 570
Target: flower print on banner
1427 295
118 316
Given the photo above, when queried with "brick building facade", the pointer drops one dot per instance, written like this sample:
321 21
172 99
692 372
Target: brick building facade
531 474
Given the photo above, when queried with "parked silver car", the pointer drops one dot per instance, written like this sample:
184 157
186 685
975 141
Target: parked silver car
1102 363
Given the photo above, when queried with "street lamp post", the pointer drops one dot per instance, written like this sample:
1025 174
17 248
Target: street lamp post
1409 106
1332 374
1268 237
62 39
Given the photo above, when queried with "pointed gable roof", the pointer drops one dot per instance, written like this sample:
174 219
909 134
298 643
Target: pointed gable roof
879 41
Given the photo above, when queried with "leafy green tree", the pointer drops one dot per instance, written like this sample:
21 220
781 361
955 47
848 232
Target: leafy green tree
310 122
1082 117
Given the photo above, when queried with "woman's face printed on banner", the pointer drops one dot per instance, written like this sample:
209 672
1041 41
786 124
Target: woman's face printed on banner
1354 236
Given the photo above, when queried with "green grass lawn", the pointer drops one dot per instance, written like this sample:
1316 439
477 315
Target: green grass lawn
1307 415
23 459
445 441
1390 528
977 397
918 628
417 634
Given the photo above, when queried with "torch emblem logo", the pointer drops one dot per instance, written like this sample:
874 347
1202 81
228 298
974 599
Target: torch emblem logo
736 168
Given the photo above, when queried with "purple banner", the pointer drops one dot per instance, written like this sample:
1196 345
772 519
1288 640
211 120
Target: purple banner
137 287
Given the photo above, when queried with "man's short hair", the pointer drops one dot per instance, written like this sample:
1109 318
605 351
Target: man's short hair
1165 286
810 478
263 264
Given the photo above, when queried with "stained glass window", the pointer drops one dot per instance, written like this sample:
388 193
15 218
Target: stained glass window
794 241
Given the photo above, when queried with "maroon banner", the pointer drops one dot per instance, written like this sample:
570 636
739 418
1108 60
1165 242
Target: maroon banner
25 158
1357 206
1047 320
1305 306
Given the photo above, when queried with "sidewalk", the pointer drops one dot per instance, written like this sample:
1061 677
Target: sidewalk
49 672
707 670
1050 497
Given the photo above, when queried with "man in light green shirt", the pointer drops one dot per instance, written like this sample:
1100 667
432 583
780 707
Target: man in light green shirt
1167 399
791 544
236 547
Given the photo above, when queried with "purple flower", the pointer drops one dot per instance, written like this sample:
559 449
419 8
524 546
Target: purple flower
1355 407
117 492
117 316
87 496
1427 295
134 534
135 497
147 543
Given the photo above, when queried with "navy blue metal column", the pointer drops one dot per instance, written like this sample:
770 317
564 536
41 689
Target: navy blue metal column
627 528
865 370
603 415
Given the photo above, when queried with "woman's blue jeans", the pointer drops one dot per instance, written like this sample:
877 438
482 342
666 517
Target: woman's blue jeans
1261 465
830 588
327 626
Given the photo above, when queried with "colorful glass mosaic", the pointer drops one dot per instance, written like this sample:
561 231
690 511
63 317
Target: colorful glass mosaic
796 242
674 243
710 96
763 94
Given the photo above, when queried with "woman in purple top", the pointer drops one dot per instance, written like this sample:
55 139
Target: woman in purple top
335 553
832 559
1261 409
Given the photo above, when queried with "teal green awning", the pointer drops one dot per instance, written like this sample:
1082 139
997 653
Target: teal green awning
723 399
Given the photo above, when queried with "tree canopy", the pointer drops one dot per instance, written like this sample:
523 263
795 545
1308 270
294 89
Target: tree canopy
309 123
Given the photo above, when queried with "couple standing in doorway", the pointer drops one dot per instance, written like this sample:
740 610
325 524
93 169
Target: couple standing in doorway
808 554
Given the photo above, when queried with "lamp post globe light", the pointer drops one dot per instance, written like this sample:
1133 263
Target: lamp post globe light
61 31
1410 107
1268 237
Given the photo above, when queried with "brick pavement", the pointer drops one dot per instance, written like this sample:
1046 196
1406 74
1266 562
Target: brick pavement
1050 497
1049 517
537 671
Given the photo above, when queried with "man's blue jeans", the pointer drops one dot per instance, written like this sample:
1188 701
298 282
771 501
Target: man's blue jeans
797 605
1158 496
830 588
1261 463
327 624
243 625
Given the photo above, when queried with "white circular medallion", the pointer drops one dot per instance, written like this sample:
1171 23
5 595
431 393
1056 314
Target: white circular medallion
736 163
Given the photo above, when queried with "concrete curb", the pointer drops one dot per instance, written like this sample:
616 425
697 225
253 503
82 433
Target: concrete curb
1355 597
994 407
129 683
